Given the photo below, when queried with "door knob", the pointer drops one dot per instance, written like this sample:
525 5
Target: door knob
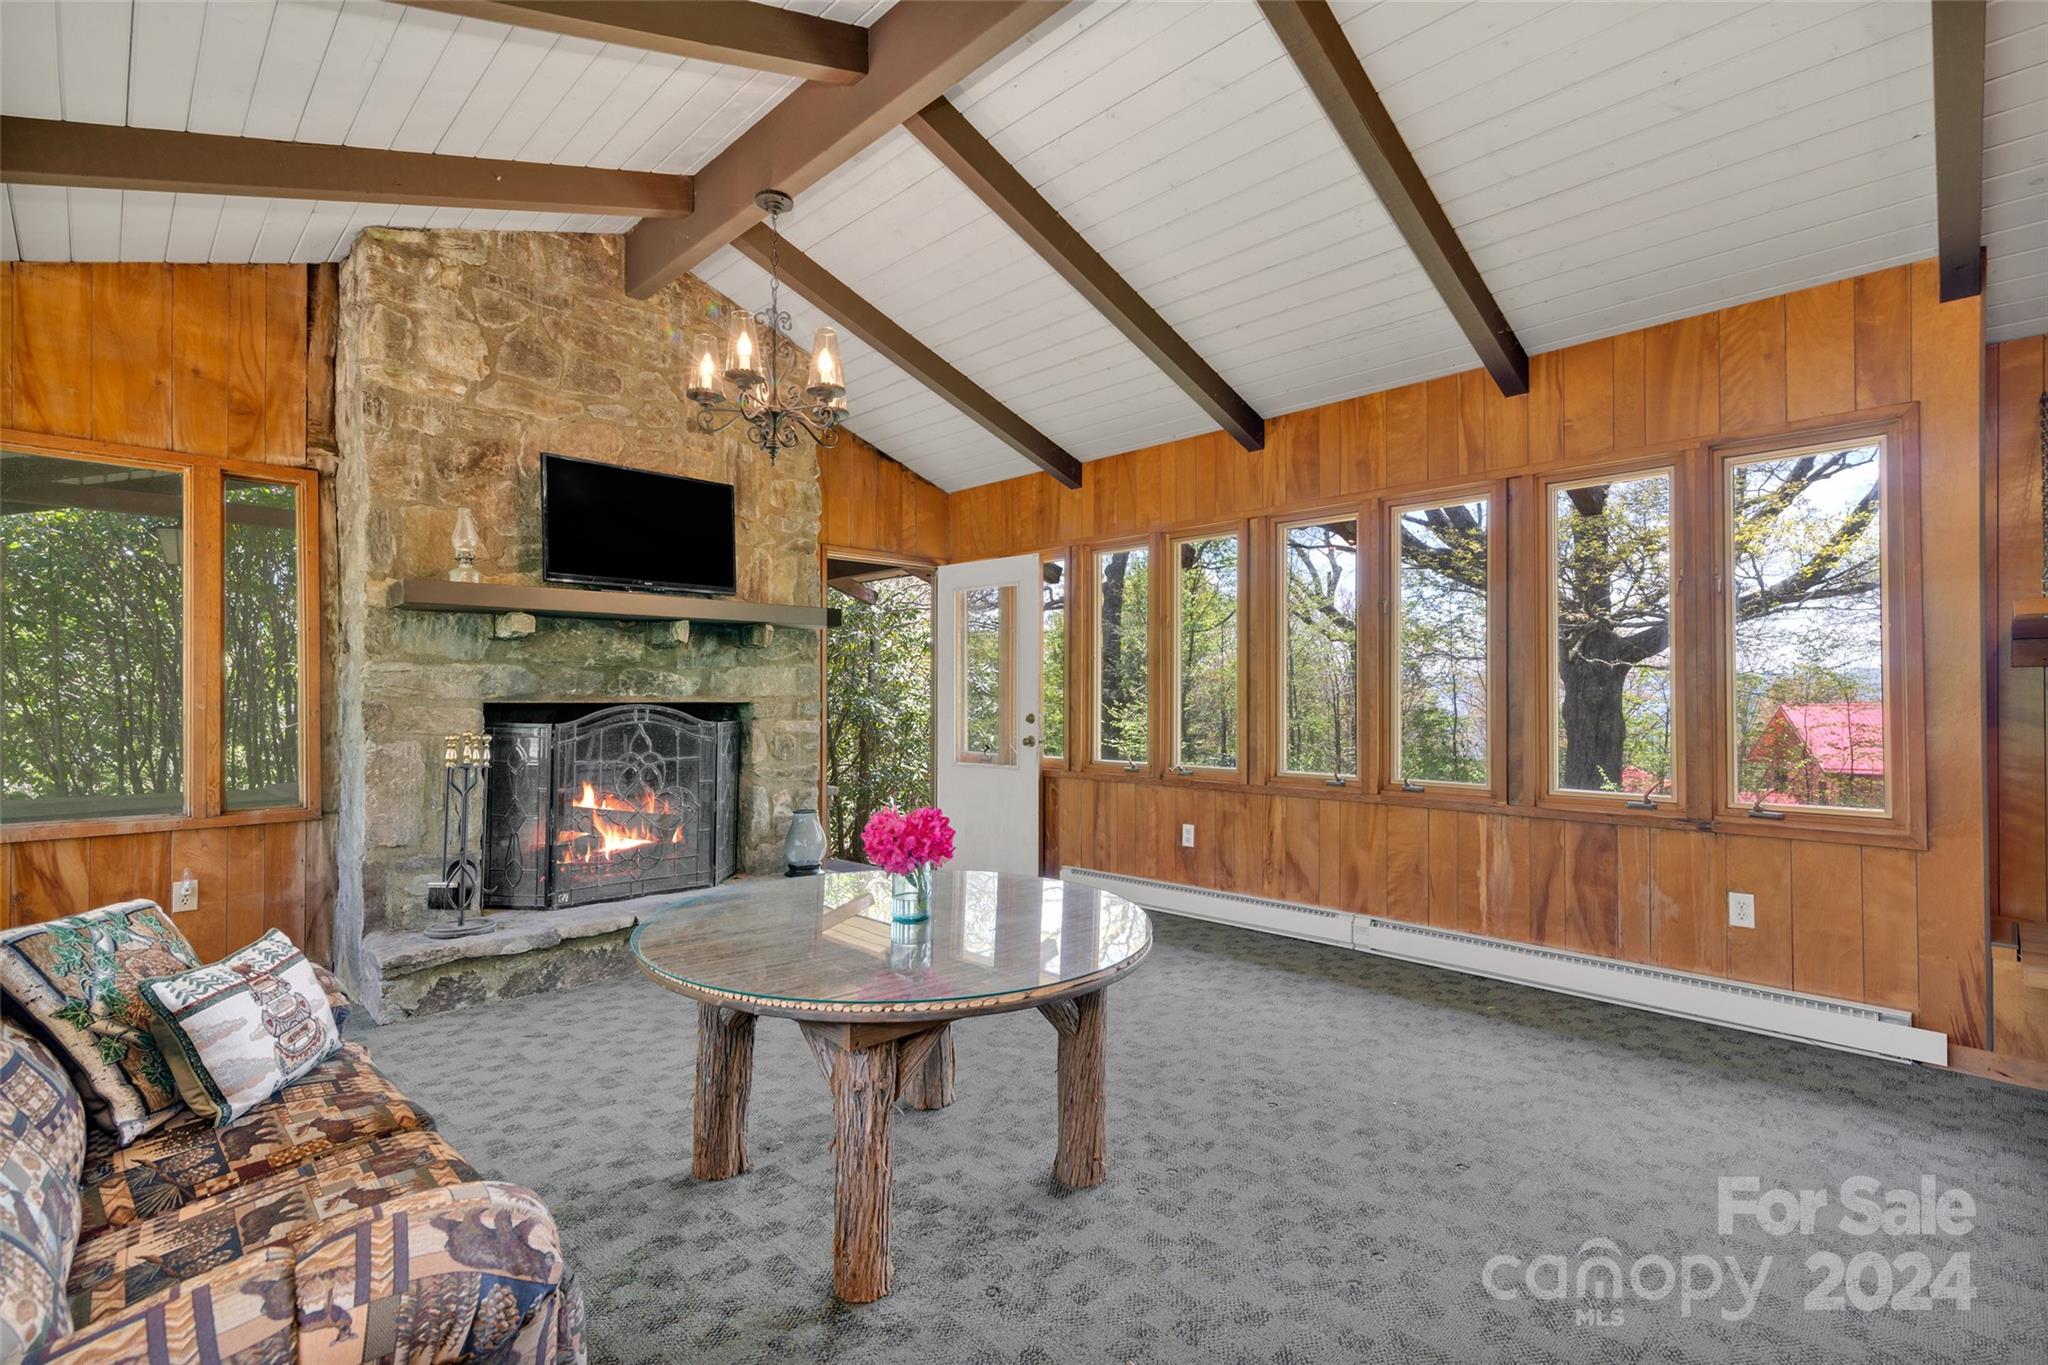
1027 741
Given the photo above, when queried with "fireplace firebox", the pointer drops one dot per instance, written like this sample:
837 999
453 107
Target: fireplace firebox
593 804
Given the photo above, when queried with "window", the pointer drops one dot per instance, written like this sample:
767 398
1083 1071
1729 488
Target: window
155 610
1205 663
986 732
1613 718
1052 669
1440 650
1319 658
92 643
1123 712
1805 604
260 643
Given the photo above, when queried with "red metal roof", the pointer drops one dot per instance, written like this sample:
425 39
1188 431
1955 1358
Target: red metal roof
1845 738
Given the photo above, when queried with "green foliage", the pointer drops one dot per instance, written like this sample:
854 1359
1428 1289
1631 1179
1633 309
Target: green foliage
1124 589
1322 648
1443 643
1052 675
1613 593
983 626
878 707
1207 626
260 630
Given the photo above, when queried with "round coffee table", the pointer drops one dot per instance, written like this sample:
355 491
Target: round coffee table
876 1001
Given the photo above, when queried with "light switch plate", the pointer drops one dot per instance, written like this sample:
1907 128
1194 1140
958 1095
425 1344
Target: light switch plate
1741 910
1187 836
185 895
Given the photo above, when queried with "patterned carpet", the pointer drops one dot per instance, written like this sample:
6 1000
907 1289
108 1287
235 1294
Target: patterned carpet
1314 1155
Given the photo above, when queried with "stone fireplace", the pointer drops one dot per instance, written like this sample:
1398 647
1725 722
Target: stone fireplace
460 358
587 804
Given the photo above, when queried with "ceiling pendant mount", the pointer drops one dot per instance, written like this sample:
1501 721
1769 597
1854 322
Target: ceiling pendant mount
751 373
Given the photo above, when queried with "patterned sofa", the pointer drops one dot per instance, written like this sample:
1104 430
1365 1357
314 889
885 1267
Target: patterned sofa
330 1223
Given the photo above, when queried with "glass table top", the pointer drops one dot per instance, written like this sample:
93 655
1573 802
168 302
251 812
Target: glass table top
829 943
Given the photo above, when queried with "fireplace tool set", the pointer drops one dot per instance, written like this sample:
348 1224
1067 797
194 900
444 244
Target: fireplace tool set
464 761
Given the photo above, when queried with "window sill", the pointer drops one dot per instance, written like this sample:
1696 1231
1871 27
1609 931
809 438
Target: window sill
40 830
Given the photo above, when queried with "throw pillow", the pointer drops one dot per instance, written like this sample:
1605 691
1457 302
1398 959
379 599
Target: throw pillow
75 979
237 1031
42 1143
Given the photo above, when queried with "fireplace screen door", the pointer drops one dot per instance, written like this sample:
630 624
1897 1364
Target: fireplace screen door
986 658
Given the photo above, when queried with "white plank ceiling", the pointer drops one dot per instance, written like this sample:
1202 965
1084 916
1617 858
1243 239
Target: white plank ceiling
1609 166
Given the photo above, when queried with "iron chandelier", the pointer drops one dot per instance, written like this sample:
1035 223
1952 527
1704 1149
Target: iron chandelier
750 373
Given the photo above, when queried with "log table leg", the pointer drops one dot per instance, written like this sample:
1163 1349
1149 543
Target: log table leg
725 1072
924 1072
863 1081
1083 1023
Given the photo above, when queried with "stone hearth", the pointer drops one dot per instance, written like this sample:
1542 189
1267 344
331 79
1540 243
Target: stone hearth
460 358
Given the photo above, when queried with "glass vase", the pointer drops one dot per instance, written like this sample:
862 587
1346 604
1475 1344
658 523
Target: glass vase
910 896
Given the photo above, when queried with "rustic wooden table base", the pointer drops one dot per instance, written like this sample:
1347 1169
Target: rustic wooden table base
870 1067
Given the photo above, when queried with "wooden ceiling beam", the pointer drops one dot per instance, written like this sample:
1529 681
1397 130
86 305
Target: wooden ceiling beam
729 32
1959 145
916 52
108 156
1315 40
831 296
947 134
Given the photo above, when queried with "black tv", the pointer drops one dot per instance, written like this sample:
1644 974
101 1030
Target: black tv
608 527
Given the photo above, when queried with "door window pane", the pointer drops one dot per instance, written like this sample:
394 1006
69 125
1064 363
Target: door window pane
1321 655
1205 652
1611 599
1052 670
985 675
260 637
1122 613
1806 598
1440 647
92 699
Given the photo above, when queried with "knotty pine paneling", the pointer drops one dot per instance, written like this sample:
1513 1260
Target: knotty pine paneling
207 360
1834 918
870 502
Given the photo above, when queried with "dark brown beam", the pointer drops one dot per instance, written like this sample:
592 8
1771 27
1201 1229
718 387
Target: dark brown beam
1959 145
832 297
948 135
916 52
729 32
107 156
1316 42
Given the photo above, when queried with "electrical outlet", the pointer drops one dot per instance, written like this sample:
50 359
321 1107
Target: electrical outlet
185 894
1741 910
1187 836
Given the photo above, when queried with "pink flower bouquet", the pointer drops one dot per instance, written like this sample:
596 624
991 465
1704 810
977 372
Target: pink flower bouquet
909 847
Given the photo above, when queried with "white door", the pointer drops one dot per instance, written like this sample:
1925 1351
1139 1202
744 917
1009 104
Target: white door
986 723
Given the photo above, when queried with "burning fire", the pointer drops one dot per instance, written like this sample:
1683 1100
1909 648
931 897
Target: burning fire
615 836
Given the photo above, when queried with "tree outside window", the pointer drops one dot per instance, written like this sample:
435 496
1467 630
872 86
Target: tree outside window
1321 648
1052 673
1123 615
1206 655
1441 644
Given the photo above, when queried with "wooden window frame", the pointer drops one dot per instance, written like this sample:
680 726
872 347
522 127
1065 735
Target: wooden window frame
1499 607
1272 651
1541 741
1170 766
1006 694
1064 760
205 659
1904 819
1093 761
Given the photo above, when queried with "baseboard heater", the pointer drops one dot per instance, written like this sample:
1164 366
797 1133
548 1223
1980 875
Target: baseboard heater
1842 1024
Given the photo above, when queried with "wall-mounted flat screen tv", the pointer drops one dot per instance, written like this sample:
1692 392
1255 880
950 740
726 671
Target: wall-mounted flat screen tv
608 527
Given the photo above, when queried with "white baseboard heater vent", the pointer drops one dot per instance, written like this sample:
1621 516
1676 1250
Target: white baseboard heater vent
1843 1024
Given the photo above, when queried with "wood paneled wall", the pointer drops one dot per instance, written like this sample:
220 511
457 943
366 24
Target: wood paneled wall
2016 373
1832 917
207 360
873 503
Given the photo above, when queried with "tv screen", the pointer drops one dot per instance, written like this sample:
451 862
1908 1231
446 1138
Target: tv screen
609 527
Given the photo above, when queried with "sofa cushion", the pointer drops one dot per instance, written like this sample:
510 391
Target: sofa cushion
343 1101
76 978
244 1312
237 1031
42 1142
131 1263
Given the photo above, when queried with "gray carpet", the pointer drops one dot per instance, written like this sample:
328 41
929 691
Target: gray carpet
1313 1154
